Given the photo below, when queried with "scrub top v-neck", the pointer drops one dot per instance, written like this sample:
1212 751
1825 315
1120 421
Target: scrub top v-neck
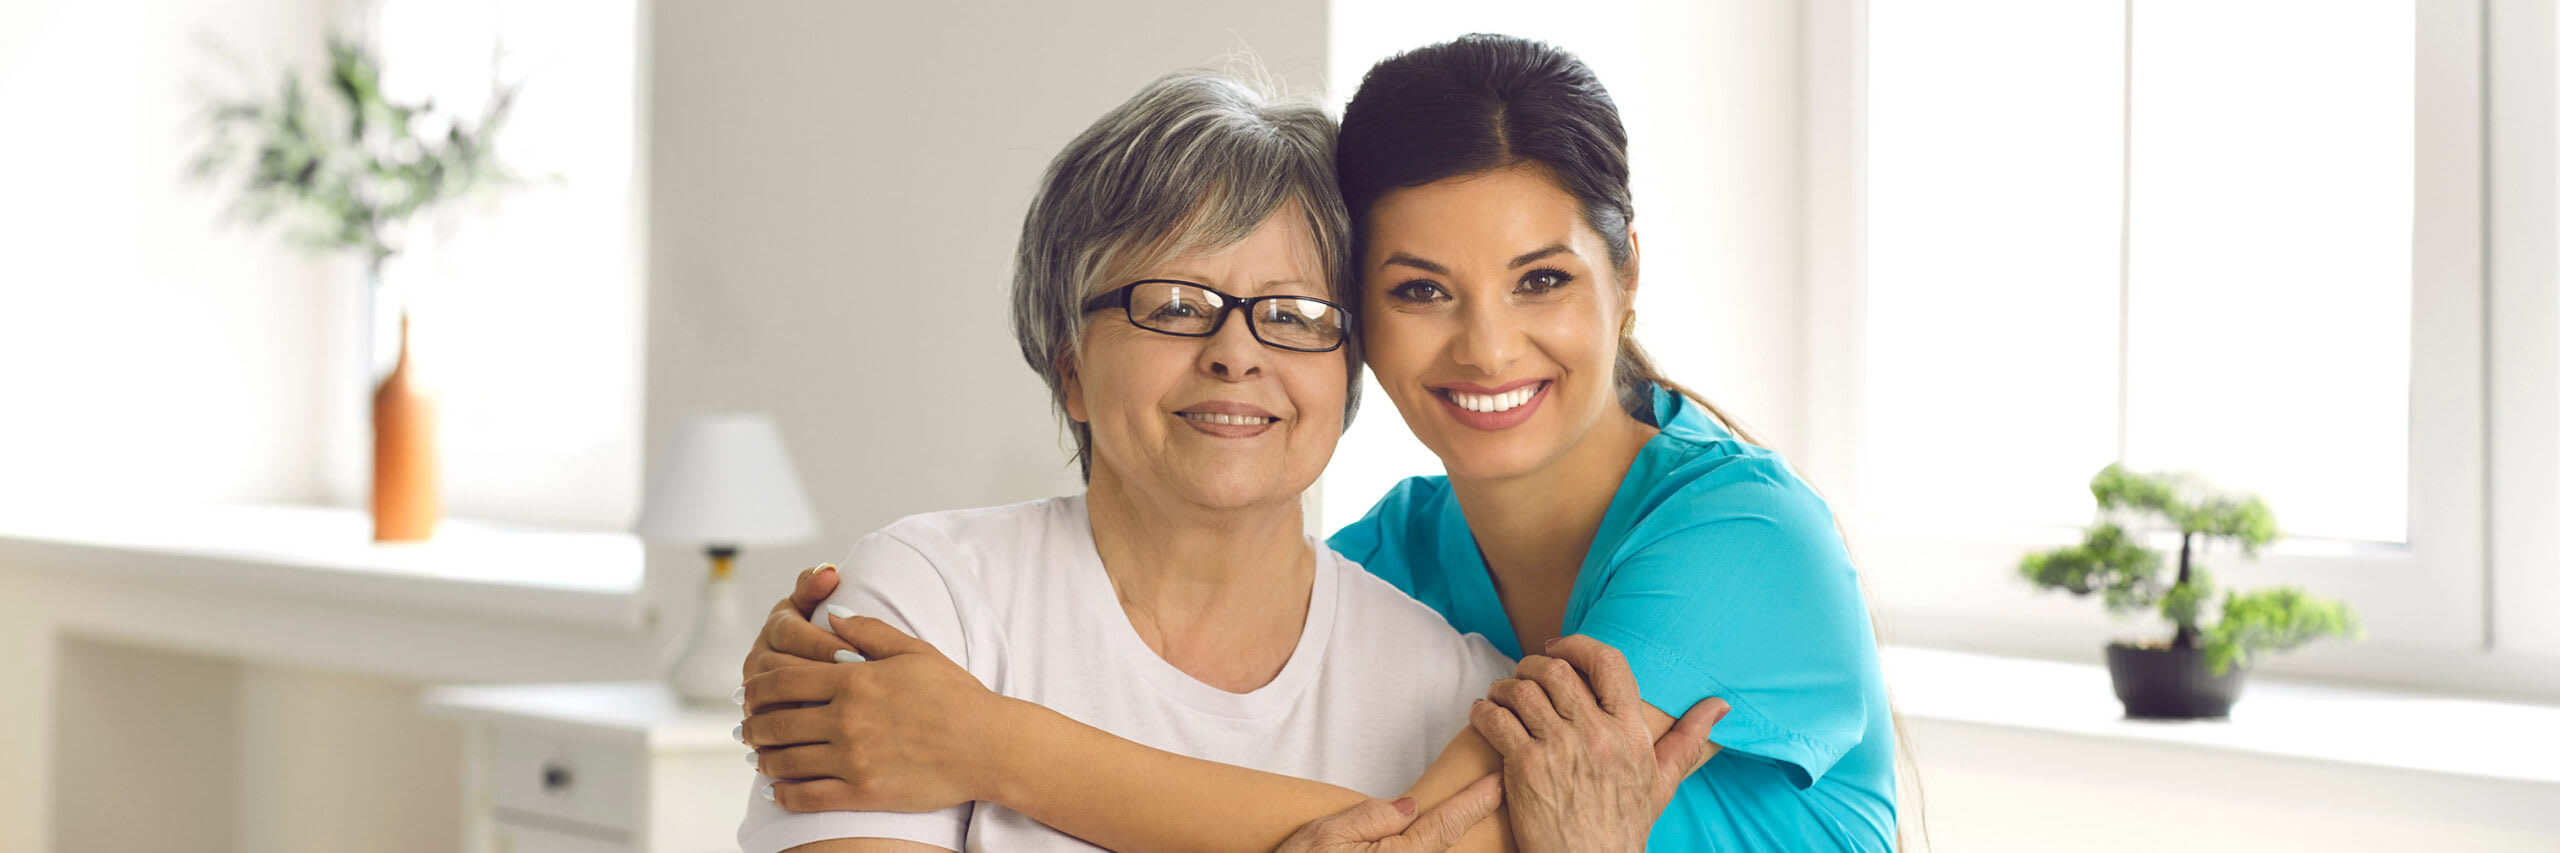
1718 572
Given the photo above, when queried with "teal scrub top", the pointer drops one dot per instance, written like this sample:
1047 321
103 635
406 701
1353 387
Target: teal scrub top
1717 572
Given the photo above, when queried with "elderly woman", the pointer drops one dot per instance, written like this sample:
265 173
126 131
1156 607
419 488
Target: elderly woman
1180 288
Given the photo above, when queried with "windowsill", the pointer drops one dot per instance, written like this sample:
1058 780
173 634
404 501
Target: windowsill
2490 740
480 569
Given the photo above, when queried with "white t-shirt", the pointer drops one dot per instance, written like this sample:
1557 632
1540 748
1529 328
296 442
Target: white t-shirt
1017 596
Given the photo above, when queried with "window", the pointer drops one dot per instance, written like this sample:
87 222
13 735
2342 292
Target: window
2524 326
530 310
223 365
2239 238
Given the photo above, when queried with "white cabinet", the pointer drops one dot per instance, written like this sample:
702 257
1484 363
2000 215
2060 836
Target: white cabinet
595 768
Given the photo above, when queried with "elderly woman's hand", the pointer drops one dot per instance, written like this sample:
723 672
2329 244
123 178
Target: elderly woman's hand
789 638
1379 826
1580 766
905 731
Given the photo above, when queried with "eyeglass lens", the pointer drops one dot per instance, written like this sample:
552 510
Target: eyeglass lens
1182 309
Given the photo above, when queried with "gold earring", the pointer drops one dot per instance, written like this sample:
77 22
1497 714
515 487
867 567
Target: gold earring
1628 328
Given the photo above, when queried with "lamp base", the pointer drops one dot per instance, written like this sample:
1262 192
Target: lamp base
709 653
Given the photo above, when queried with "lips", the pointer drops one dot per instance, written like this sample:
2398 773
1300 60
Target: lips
1493 407
1228 419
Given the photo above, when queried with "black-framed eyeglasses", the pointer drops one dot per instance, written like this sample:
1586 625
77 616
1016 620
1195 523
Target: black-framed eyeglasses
1192 310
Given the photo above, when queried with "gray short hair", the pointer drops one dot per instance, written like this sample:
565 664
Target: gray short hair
1197 160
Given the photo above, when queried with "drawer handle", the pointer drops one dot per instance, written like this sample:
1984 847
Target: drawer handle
555 777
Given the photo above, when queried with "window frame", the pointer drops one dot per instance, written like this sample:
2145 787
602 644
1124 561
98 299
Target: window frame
2428 607
2524 327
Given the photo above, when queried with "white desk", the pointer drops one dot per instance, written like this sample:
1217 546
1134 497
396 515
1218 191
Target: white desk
293 588
590 768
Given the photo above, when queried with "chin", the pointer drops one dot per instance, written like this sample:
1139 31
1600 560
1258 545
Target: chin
1481 456
1239 488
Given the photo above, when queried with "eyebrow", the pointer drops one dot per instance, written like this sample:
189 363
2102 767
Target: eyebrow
1403 259
1525 259
1261 287
1541 254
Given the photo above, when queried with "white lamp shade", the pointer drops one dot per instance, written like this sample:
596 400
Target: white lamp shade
725 479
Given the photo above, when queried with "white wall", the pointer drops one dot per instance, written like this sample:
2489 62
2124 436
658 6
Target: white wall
243 756
346 764
117 742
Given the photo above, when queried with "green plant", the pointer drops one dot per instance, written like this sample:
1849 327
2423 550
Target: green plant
2111 562
351 174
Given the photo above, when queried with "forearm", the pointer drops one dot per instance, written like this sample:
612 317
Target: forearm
865 845
1130 797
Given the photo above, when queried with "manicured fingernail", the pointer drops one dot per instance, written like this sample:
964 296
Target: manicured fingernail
739 696
740 733
768 793
839 611
824 568
1405 805
1721 710
755 759
849 656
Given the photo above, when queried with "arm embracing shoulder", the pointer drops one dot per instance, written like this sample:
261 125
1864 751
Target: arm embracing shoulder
867 845
891 580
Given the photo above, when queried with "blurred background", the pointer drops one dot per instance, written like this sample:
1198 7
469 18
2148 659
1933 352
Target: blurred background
1951 257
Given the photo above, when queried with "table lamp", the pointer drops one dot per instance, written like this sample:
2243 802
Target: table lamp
723 482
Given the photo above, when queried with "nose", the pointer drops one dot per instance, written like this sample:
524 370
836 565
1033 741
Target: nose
1231 353
1489 337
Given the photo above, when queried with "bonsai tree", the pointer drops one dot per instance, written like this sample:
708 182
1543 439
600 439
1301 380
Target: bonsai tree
350 175
2110 562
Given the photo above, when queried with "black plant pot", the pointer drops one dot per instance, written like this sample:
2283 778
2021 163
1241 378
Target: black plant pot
2170 684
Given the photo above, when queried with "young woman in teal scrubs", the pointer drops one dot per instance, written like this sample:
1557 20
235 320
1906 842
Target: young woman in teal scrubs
1585 495
1589 505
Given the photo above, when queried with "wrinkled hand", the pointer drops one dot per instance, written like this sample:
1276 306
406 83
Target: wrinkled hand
905 731
789 638
1580 768
1379 826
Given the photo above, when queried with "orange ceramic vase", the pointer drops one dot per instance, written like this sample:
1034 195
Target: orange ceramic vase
405 503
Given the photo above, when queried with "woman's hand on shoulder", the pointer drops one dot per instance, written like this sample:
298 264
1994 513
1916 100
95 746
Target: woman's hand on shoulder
1581 766
789 638
906 730
1380 826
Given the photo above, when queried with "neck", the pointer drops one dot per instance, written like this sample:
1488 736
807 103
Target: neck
1537 526
1186 572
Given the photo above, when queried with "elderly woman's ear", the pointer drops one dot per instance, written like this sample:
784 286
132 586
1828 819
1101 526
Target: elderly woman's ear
1071 388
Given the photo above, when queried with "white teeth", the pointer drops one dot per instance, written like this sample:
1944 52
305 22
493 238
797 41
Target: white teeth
1503 402
1229 420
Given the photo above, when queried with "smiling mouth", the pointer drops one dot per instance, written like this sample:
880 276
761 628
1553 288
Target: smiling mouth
1492 403
1227 420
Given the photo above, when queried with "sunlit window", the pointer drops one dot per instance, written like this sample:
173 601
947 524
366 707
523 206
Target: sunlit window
530 309
2216 279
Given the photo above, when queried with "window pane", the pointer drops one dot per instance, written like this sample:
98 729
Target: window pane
2269 254
535 428
1994 210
